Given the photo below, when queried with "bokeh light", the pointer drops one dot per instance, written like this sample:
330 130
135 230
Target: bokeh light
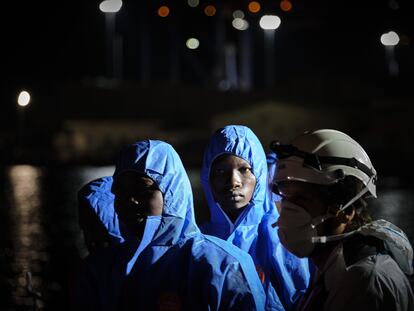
192 43
286 5
210 10
164 11
254 7
193 3
110 6
393 4
390 38
238 14
23 99
269 22
240 24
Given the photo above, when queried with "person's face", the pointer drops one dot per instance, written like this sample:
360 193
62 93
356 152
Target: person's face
232 182
136 196
310 198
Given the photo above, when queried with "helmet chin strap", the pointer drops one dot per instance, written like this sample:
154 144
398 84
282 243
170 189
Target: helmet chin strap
330 238
320 219
350 202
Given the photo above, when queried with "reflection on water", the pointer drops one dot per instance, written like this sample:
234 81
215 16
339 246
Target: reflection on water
29 240
40 240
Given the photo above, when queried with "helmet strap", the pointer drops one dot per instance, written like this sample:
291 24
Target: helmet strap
330 238
320 219
357 196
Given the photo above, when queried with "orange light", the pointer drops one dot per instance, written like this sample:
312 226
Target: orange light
254 6
210 10
286 5
163 11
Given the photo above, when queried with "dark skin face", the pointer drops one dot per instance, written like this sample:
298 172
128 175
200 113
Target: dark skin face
232 184
136 196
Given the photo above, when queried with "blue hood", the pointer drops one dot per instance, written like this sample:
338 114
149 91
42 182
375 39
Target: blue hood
97 195
159 161
242 142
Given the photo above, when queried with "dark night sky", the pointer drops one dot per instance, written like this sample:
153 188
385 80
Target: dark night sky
47 43
67 40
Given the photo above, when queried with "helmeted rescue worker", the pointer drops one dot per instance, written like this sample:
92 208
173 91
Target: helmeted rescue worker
325 179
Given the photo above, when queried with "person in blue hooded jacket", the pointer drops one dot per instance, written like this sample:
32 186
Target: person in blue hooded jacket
234 178
159 259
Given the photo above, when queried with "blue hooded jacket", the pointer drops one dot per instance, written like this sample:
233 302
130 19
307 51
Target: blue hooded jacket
179 268
284 276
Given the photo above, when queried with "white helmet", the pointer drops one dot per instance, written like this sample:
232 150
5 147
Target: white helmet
324 157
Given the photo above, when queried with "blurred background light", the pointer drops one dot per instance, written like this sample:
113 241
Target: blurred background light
192 43
390 38
193 3
110 6
23 99
164 11
240 24
238 14
210 10
254 7
393 4
269 22
286 5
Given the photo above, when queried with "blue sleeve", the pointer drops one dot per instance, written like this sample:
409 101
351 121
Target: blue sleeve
242 289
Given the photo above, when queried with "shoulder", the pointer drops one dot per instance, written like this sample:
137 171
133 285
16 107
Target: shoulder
99 184
376 280
367 259
385 274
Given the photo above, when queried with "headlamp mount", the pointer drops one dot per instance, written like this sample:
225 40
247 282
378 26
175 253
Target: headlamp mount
315 161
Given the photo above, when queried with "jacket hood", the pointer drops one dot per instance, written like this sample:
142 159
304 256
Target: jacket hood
395 241
159 161
240 141
96 196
